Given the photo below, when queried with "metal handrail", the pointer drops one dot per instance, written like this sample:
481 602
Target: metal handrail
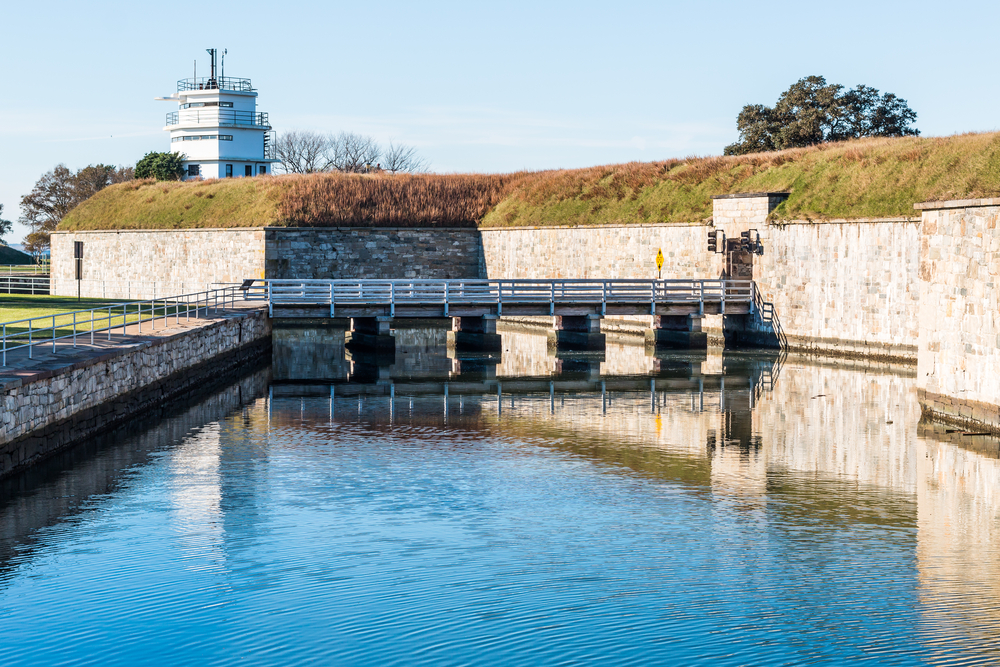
213 116
111 316
214 83
506 291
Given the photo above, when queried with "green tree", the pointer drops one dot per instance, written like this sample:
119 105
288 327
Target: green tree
5 226
57 192
161 166
812 112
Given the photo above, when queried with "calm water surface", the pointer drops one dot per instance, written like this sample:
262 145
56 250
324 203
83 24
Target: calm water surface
692 509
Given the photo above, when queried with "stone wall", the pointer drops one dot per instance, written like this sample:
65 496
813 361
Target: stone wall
746 209
150 264
147 264
840 287
51 410
958 367
372 253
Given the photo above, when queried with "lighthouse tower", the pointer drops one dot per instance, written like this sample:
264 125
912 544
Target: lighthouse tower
217 126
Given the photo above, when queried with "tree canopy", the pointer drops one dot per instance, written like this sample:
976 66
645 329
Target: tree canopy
304 152
5 226
161 166
57 192
812 111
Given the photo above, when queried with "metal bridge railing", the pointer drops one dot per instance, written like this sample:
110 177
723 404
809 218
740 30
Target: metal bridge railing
498 292
48 329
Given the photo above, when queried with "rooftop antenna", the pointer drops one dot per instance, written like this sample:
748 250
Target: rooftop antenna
224 52
211 52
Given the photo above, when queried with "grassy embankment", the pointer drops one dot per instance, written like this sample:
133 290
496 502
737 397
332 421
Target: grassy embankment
10 256
870 178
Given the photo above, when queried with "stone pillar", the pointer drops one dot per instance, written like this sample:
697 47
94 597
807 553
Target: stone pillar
677 332
475 334
373 333
581 333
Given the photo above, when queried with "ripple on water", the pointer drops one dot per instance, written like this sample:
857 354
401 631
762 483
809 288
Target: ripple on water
531 535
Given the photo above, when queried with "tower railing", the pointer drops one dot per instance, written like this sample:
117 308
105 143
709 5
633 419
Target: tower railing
215 83
218 117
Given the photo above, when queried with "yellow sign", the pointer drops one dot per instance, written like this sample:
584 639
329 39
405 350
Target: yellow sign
659 259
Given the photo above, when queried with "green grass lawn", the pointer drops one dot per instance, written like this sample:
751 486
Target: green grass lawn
58 311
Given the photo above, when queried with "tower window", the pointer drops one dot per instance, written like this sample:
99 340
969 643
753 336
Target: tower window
194 170
262 169
249 170
229 171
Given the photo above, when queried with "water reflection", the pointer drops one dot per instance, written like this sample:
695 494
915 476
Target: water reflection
528 506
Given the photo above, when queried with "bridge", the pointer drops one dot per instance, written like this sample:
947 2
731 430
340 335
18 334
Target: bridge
576 306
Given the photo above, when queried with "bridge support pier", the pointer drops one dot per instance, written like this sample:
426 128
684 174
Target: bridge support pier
677 332
749 331
578 333
475 334
372 333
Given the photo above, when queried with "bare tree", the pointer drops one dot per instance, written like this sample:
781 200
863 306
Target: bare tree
303 152
402 158
353 153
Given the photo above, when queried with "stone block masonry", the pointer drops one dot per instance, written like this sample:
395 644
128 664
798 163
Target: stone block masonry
50 410
156 263
388 253
130 264
958 365
844 288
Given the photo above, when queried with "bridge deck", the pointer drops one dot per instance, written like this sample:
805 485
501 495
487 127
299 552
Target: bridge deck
476 298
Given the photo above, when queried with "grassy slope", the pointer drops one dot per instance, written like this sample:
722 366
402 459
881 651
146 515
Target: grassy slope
859 179
10 256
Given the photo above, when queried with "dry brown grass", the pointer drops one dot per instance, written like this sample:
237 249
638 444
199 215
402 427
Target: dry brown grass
403 200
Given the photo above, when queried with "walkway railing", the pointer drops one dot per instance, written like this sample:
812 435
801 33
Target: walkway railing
499 292
48 329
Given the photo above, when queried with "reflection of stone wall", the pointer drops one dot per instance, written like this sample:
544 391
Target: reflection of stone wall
53 409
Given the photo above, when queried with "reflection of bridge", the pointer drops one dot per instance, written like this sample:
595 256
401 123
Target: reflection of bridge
577 306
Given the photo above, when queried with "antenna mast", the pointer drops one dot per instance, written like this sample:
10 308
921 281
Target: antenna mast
224 52
211 80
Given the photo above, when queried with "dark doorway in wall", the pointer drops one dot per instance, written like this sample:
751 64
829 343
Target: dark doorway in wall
249 170
739 262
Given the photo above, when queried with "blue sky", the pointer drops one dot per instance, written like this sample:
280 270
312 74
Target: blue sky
475 86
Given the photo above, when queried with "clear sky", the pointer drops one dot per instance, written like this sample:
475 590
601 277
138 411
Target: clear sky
475 86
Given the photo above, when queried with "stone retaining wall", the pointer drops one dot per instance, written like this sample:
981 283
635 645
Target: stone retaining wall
372 253
958 367
835 287
126 264
54 409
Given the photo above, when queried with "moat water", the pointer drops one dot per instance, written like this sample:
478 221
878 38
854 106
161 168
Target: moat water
333 508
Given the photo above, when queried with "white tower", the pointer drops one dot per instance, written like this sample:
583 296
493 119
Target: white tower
218 128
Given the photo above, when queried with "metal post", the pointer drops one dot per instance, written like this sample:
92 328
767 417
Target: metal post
4 344
74 329
29 339
53 334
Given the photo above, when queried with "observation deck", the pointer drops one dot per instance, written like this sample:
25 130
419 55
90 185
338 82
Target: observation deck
215 83
216 117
